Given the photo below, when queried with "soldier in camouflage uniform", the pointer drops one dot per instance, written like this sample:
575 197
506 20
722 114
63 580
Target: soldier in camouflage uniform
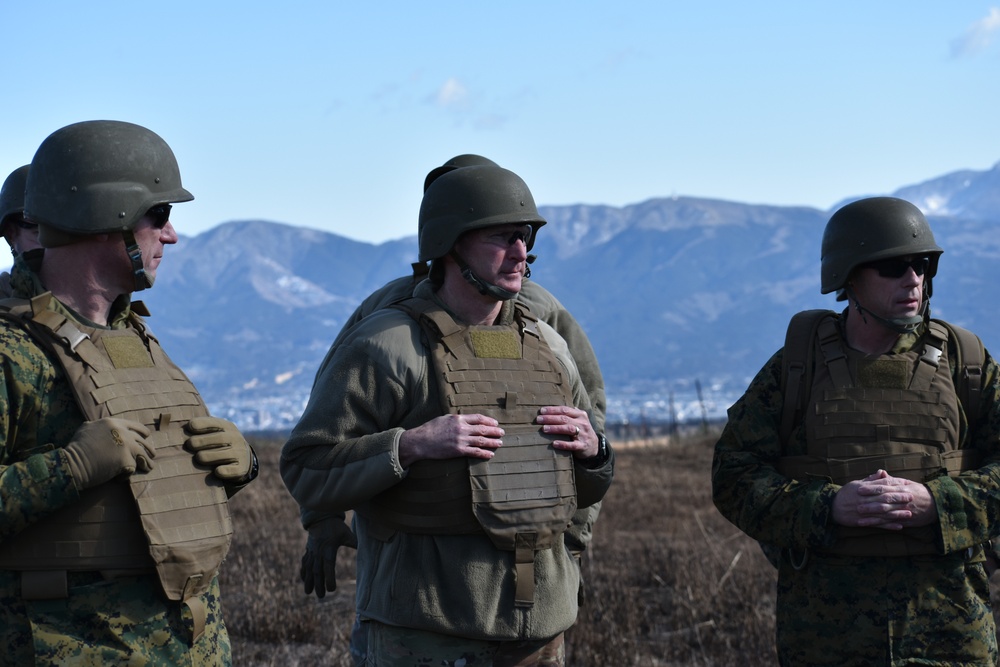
373 434
21 235
871 463
114 479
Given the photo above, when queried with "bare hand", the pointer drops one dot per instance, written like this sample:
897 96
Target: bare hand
883 501
451 436
573 423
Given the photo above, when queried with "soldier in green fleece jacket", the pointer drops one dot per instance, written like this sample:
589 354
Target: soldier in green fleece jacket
456 425
328 533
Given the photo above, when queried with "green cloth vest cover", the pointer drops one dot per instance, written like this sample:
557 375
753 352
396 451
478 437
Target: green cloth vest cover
525 496
899 413
175 517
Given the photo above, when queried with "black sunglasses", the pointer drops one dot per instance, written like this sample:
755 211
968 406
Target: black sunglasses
159 215
523 234
896 267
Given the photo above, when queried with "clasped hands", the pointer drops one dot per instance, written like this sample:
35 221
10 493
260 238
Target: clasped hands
101 450
479 436
883 501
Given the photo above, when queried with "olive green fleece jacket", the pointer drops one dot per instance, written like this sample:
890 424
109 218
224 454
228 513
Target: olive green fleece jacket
547 308
543 305
344 451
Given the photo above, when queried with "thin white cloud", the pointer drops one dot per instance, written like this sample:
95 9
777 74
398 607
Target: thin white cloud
977 37
465 106
452 95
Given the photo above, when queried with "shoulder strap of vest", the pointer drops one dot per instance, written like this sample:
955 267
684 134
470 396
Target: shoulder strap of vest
50 329
970 357
15 305
527 319
797 359
425 312
17 311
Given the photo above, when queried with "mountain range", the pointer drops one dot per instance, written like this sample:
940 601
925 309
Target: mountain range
675 293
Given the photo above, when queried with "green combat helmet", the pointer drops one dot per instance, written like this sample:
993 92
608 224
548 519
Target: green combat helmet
470 198
457 162
99 177
871 229
12 197
420 269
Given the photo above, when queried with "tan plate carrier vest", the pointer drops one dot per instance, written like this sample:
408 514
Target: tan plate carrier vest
175 517
899 413
524 497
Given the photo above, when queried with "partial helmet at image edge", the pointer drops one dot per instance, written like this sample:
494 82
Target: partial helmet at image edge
12 195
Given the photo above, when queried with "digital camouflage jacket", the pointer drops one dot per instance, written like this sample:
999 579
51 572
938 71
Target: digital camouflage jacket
104 620
845 610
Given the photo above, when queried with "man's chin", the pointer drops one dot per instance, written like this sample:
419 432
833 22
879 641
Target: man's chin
511 285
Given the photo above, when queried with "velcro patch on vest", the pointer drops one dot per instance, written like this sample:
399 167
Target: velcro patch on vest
493 344
127 352
883 373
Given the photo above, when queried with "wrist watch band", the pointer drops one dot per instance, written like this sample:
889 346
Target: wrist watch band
602 455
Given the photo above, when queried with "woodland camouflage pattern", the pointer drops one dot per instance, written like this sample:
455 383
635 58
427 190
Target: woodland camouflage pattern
837 610
37 415
134 628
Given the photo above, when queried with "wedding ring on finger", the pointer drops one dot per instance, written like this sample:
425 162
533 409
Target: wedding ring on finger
577 434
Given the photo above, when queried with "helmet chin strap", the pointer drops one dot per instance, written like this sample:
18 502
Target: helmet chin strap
527 267
139 275
901 325
484 287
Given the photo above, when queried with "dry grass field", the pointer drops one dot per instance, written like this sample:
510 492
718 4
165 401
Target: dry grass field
668 580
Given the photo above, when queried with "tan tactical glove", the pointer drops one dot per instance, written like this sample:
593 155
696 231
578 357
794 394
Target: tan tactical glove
319 562
218 443
103 449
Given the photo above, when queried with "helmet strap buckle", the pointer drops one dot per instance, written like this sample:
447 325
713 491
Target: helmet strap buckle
485 288
140 278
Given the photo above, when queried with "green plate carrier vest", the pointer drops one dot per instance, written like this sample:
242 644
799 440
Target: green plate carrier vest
900 413
175 517
525 496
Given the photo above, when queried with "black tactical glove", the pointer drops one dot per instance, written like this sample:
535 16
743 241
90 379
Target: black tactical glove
103 449
319 562
218 443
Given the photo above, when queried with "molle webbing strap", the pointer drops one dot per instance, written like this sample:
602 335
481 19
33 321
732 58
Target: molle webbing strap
524 569
44 585
832 350
858 421
915 466
101 531
969 361
935 344
436 500
179 510
797 361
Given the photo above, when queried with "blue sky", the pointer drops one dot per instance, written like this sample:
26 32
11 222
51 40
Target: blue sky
328 114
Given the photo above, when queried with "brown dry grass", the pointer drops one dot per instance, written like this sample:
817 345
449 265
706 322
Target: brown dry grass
668 580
